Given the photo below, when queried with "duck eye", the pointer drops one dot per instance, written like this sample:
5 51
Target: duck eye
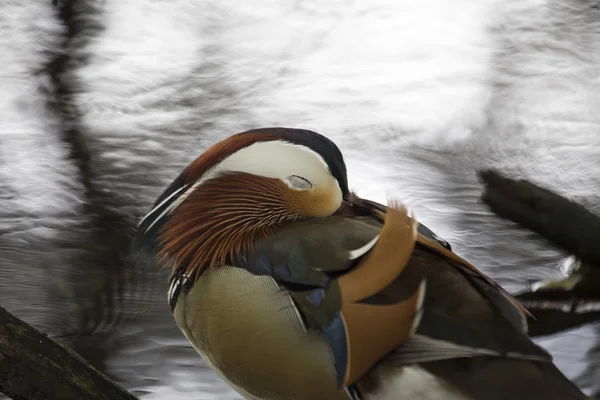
298 182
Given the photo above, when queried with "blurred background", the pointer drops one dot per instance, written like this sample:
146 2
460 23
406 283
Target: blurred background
102 103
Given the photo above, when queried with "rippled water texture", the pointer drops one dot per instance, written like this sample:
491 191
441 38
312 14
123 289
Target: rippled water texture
99 115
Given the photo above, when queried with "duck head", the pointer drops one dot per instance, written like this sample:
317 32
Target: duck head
240 189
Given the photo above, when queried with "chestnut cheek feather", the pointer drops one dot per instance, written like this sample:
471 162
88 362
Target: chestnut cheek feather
223 216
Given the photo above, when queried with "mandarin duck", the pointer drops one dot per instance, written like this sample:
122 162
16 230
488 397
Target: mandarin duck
290 286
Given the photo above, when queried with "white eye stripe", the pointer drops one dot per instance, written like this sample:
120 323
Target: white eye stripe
273 159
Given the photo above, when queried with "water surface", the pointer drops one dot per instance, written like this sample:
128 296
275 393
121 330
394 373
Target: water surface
418 96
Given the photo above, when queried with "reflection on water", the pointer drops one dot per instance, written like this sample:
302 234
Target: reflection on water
418 97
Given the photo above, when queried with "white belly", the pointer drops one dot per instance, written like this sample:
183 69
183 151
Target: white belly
409 383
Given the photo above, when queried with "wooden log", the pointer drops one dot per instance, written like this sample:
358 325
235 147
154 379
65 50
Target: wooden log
565 223
35 367
566 303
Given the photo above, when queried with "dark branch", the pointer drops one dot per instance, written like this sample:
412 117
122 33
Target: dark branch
565 223
35 367
557 305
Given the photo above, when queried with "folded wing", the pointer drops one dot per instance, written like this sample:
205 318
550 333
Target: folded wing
331 266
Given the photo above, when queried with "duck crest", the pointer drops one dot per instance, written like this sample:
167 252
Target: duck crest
221 150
